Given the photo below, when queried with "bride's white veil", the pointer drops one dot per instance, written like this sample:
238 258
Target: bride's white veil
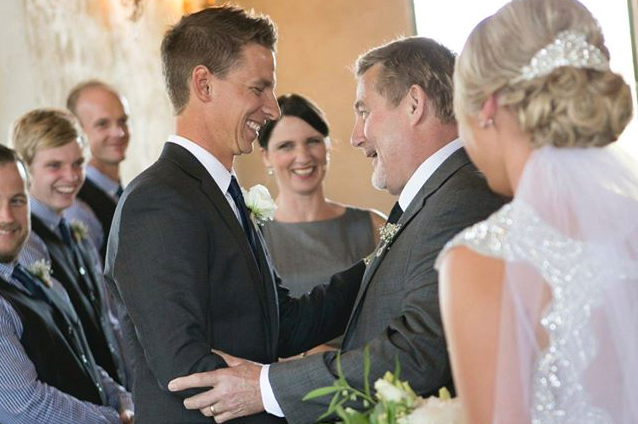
568 334
568 345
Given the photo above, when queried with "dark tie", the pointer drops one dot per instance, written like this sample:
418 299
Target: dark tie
29 282
69 240
66 233
395 214
119 191
238 198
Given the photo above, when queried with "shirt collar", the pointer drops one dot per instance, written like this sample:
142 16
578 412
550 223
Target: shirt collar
104 183
425 171
45 214
217 171
6 270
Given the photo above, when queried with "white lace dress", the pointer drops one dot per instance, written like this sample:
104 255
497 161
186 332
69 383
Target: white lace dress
577 275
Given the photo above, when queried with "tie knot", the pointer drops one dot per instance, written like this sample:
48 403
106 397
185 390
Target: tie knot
235 191
22 275
395 214
65 231
19 272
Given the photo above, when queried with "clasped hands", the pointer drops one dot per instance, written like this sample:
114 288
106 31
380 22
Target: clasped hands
234 391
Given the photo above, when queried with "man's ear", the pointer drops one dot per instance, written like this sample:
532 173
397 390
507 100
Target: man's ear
202 83
416 104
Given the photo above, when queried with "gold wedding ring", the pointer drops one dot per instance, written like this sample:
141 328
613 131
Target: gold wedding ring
212 409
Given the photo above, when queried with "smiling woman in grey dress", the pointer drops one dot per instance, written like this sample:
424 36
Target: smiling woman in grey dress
311 237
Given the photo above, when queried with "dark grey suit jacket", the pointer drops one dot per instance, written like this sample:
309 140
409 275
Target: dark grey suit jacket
181 263
397 308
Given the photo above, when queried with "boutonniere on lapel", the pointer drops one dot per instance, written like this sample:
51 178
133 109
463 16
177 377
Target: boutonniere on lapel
387 233
41 269
79 230
261 205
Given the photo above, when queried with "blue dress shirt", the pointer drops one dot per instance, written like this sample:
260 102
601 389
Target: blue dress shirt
26 400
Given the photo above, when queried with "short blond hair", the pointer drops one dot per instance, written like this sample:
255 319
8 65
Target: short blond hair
44 129
570 106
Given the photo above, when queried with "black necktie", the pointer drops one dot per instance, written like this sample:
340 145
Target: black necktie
66 233
71 243
119 191
395 214
238 198
29 282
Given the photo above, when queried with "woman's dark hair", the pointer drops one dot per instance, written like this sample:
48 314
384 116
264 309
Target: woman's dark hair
302 108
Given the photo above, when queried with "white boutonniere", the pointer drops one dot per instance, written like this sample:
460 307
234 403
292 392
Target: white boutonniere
261 205
387 233
79 230
42 269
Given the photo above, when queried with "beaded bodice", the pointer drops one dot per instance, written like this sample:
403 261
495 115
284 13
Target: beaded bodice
575 274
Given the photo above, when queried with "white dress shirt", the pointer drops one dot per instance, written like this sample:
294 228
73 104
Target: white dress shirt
409 192
217 171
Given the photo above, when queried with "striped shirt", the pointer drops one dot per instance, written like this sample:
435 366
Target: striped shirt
26 400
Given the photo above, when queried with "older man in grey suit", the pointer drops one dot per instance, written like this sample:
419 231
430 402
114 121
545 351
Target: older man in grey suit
405 123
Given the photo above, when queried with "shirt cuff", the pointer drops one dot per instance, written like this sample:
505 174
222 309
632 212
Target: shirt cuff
267 396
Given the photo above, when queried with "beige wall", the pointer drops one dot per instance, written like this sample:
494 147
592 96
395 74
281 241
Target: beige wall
45 51
318 43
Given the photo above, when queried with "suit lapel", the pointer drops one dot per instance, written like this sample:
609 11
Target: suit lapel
271 290
443 173
189 164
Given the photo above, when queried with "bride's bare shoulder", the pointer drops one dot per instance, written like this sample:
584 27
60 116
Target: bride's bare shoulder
470 275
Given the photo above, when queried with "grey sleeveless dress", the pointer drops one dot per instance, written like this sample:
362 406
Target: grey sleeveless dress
306 254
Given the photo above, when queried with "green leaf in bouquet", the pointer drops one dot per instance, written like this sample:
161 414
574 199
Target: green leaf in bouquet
333 403
366 370
391 412
397 368
339 370
444 394
321 391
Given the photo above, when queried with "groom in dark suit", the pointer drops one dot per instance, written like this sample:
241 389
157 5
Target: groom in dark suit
183 254
406 125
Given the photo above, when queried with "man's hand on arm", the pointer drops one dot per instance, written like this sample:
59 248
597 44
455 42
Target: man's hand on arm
234 390
127 416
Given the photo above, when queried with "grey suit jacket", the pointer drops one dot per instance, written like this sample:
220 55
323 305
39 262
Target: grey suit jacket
397 309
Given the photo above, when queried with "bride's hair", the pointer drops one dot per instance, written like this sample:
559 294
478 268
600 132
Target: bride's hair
568 107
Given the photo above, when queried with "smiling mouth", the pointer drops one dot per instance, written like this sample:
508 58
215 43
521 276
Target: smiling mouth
371 154
66 189
304 172
253 126
9 230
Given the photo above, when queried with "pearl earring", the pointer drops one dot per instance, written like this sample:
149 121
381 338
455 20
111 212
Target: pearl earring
486 123
270 170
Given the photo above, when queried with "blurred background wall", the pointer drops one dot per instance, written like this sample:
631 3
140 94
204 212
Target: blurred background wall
50 45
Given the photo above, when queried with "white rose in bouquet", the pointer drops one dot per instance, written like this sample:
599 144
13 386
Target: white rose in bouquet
433 410
393 403
388 392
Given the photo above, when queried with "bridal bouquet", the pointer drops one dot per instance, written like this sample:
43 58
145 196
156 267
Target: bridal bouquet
393 403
